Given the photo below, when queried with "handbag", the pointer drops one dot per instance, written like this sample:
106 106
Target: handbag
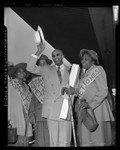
89 119
12 135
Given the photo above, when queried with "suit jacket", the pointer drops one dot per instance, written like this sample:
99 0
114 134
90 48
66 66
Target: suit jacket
53 99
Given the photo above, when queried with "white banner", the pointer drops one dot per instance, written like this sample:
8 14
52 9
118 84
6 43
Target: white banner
38 88
87 80
25 94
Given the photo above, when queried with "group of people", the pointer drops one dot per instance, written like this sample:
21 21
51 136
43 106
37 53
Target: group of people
35 98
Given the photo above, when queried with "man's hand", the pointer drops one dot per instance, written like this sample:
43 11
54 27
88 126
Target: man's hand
68 91
71 90
40 48
64 90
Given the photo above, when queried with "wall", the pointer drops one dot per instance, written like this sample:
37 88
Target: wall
21 38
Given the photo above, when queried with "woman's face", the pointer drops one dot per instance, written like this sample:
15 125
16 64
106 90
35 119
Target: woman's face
86 61
20 74
42 62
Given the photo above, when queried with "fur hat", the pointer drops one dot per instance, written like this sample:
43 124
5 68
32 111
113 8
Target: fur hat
92 53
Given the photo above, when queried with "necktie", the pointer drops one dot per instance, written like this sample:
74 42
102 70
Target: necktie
59 74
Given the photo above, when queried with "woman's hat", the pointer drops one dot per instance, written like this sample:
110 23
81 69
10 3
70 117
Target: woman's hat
44 57
16 67
92 53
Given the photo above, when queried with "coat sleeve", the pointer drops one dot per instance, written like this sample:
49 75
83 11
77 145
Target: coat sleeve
102 89
31 111
31 107
32 67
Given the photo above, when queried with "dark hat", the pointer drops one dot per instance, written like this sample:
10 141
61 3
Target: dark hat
92 53
44 57
16 67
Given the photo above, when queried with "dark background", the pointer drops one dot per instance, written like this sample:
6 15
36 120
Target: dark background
73 28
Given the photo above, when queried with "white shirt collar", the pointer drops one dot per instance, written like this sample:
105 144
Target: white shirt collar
62 67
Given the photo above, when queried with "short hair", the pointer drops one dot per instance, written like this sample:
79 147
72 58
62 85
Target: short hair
58 50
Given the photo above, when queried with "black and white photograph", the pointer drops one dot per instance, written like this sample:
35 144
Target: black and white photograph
61 75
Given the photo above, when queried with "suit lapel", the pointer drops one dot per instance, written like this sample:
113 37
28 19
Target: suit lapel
55 79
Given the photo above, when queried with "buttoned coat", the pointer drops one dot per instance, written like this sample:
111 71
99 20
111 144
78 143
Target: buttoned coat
96 95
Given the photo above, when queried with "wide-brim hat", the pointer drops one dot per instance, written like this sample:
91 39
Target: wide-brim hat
16 67
44 57
92 53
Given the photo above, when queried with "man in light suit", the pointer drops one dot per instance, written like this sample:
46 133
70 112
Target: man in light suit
59 130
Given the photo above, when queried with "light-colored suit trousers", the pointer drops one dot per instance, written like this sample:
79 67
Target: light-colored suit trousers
61 130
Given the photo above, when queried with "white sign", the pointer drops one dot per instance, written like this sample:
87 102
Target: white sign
38 88
65 107
74 75
72 81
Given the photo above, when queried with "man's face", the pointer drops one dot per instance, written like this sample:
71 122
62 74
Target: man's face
57 57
